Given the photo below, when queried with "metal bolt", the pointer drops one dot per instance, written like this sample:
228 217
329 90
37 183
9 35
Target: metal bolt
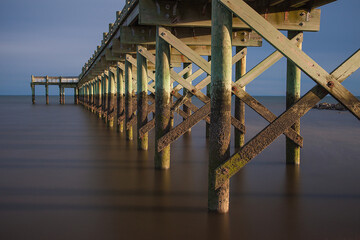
167 6
330 84
163 34
301 24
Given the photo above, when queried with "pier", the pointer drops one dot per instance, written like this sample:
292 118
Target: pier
142 74
62 82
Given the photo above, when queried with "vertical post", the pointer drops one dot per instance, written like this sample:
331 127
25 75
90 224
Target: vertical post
63 95
208 93
47 90
33 93
103 102
128 99
106 95
76 95
220 117
111 97
162 100
293 79
60 98
142 103
99 96
185 108
240 70
92 96
120 99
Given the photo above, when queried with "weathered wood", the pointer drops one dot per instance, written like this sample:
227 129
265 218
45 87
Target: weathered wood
120 98
189 36
263 139
128 99
33 93
187 94
187 14
220 123
265 64
293 53
147 127
142 102
162 100
183 127
293 79
265 113
111 96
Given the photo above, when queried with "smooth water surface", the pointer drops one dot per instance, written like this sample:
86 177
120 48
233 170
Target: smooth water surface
65 175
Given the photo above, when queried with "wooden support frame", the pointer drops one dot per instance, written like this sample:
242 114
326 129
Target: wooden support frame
239 92
327 83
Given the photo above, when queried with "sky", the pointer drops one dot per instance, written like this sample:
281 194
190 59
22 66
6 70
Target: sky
56 37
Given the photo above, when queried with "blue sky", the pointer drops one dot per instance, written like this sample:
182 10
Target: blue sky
56 37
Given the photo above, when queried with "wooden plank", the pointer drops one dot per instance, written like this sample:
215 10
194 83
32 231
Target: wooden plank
187 14
297 56
190 36
263 139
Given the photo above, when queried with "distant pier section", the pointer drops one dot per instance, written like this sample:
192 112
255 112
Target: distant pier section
62 82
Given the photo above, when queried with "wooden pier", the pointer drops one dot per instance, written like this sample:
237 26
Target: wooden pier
62 82
129 80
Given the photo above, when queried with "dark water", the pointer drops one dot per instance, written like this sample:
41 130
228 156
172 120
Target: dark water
64 175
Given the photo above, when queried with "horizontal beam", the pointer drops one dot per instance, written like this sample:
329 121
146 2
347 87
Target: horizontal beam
198 14
189 36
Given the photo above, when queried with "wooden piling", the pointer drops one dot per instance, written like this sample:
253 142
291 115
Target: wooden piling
103 102
240 70
99 103
33 93
142 102
47 90
293 80
186 109
208 93
106 95
111 97
220 123
120 99
162 100
128 99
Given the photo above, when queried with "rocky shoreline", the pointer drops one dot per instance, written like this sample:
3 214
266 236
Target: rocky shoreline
330 106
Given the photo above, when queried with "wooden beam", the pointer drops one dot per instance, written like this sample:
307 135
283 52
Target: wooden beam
263 139
297 56
187 14
189 36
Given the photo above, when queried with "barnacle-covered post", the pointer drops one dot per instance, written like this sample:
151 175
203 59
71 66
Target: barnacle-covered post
220 117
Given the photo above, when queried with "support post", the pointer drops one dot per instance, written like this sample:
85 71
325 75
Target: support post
60 94
111 97
103 102
142 102
76 95
63 95
106 97
162 100
99 106
120 99
220 117
293 79
186 109
240 70
208 93
33 93
47 90
128 99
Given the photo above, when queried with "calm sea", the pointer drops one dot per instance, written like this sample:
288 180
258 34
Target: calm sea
65 175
